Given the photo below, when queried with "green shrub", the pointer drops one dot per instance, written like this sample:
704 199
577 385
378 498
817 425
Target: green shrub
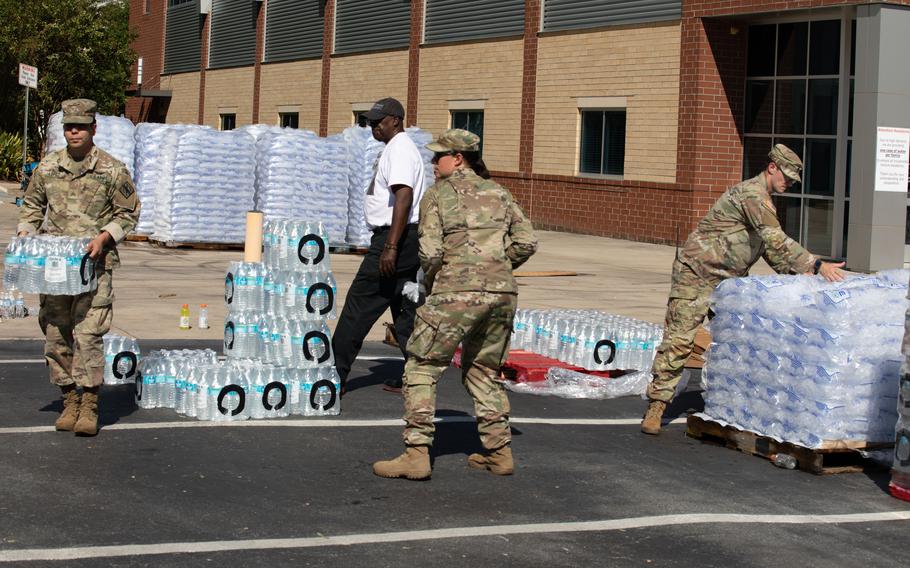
10 155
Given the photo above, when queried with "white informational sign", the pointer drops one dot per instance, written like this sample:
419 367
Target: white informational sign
28 76
892 159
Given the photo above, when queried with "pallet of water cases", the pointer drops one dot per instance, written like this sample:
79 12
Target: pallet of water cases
833 456
335 249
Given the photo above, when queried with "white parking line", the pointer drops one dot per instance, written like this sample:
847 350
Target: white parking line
339 423
436 534
362 358
20 361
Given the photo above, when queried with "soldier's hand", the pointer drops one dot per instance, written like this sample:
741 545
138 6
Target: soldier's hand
96 246
831 271
387 261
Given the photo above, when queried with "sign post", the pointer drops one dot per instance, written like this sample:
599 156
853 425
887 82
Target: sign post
28 78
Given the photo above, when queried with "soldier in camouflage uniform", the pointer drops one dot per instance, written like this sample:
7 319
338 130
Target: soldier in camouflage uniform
472 235
741 227
80 191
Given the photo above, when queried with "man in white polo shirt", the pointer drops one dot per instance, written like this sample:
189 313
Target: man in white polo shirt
391 209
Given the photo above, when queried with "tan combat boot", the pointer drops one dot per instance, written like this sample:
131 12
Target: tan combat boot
414 464
650 424
498 461
87 425
67 419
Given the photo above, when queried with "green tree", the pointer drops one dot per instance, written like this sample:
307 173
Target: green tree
81 49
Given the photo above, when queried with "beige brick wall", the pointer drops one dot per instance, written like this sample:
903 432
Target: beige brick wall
229 88
291 84
638 62
365 78
488 71
184 105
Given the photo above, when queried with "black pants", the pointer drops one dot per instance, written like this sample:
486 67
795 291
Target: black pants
371 294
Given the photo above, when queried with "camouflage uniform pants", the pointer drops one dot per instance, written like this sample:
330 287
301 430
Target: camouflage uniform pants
73 328
686 310
482 323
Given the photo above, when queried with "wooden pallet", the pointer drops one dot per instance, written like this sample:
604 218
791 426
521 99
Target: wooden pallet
137 238
834 456
347 249
197 246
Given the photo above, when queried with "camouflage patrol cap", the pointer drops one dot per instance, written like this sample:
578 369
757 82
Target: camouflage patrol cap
456 139
79 111
788 162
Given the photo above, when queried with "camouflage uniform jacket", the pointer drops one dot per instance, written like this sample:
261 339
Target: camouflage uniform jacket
81 199
472 234
740 227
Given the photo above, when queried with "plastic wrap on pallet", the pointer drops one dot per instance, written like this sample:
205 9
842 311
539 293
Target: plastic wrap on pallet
900 472
114 135
211 188
803 360
566 383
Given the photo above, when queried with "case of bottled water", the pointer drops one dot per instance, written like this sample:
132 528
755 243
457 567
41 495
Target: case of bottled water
806 361
244 286
121 360
589 339
12 305
46 264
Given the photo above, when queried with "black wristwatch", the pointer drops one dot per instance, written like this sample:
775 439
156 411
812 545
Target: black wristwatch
818 264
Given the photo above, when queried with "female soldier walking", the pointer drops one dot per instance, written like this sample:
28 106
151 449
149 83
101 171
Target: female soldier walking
472 235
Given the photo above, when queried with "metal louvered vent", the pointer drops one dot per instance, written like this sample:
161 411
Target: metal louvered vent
293 29
183 38
371 25
446 21
233 33
577 14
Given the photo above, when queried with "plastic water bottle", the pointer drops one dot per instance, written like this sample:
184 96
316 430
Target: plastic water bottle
203 316
11 264
785 461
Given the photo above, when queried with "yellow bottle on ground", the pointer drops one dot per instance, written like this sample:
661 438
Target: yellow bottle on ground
185 316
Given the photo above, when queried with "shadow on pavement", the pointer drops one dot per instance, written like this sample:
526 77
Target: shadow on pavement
116 402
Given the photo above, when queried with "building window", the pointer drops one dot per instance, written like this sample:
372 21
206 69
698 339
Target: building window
603 142
794 74
148 6
360 118
228 121
470 120
289 119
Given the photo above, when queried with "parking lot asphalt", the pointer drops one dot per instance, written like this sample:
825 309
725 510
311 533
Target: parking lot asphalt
157 489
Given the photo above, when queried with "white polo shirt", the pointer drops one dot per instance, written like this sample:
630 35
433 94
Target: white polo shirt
399 164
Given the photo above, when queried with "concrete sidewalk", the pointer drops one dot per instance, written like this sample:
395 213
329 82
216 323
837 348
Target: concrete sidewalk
617 276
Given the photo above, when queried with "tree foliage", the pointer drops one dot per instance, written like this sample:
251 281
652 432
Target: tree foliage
81 49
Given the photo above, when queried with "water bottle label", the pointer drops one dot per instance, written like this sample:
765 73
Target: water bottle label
521 326
55 269
170 379
149 379
297 340
213 391
11 259
36 261
73 260
836 296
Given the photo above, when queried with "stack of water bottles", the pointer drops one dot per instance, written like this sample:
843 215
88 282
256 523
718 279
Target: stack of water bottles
12 305
591 340
211 189
164 377
807 361
114 135
121 360
45 264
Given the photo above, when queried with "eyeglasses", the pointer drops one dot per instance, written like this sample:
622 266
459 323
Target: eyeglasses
440 155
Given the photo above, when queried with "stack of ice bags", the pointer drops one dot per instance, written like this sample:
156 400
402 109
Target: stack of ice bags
114 135
211 188
806 361
299 174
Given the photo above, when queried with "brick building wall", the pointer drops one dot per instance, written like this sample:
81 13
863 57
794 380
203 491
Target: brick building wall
365 79
229 90
639 63
150 46
184 105
298 83
496 82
